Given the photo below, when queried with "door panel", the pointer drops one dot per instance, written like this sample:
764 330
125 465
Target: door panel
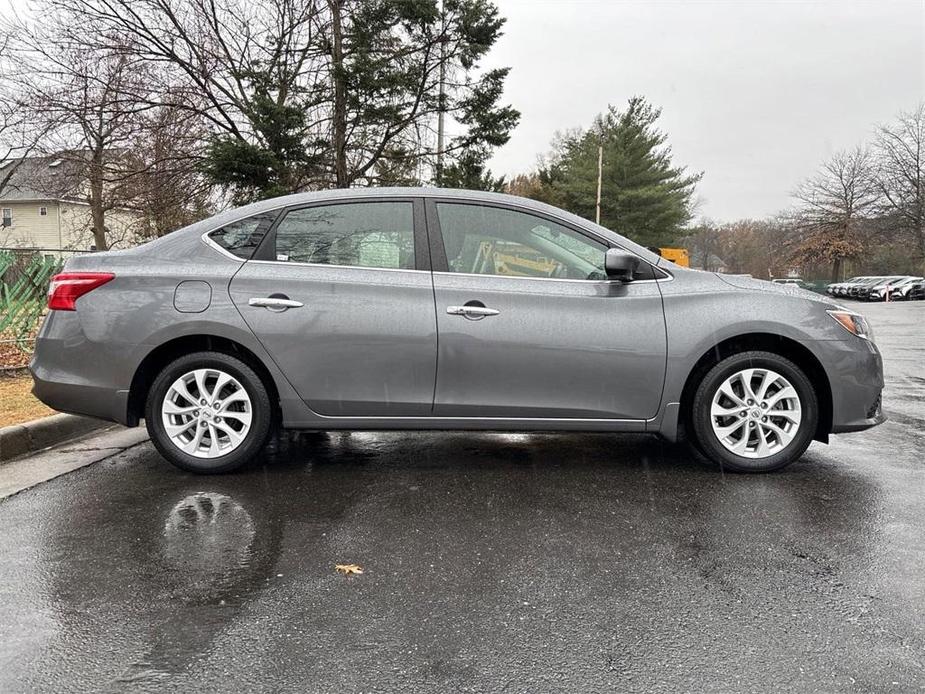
342 299
364 342
529 325
554 349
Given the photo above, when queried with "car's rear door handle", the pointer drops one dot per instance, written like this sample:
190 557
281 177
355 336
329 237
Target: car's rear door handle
472 311
274 303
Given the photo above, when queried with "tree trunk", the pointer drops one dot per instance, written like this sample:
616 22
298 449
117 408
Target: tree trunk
97 213
836 270
920 242
340 98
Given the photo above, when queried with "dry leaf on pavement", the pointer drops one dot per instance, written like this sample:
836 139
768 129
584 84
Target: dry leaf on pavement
348 569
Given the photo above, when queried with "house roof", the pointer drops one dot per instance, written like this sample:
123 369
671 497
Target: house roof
54 177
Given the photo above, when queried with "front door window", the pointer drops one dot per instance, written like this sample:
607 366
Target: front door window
485 240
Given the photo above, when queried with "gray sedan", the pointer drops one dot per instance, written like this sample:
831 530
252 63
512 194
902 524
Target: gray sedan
436 309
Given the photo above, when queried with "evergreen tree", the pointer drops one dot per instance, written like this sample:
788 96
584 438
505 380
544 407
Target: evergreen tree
280 158
469 171
387 90
643 195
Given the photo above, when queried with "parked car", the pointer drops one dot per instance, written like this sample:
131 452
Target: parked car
849 287
917 291
876 291
840 288
855 290
438 309
897 290
791 282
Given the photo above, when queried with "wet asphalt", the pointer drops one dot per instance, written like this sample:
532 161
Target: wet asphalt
492 563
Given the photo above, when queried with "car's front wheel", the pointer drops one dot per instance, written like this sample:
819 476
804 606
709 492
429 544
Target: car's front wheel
208 412
754 412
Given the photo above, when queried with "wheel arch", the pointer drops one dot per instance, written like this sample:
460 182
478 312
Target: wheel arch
163 354
781 345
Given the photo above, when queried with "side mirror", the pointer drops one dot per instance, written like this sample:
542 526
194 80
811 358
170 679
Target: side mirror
620 265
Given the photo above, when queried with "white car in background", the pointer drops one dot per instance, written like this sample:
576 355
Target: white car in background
897 289
791 282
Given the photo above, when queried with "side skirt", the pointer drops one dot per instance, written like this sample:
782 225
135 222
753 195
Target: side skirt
469 423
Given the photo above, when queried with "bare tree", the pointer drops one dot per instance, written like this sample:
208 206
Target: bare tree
171 191
899 148
705 244
833 207
17 138
13 148
90 104
242 66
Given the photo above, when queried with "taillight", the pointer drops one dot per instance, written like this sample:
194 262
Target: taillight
65 289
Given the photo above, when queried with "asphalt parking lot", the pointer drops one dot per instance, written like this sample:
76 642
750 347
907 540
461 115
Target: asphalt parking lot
515 563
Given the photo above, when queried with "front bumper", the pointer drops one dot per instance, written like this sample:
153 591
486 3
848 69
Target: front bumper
855 370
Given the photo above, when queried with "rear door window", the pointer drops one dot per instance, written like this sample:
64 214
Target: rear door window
365 234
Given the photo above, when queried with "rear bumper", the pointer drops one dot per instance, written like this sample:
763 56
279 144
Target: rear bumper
72 374
86 400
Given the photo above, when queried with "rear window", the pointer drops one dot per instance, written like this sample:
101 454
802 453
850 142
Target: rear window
241 238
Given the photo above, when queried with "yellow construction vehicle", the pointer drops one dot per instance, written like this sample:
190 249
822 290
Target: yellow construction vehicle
516 262
678 256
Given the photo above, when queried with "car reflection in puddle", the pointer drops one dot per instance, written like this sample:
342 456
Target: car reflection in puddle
212 562
208 542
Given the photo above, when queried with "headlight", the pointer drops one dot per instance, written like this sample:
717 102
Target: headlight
854 323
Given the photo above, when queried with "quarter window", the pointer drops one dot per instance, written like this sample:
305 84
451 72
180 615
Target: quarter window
494 241
241 238
367 234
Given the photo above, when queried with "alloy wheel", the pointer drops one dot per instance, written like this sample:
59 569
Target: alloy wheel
755 413
207 413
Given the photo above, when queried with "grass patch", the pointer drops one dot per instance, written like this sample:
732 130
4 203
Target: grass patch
17 404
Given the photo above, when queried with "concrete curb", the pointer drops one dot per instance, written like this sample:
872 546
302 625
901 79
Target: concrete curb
20 439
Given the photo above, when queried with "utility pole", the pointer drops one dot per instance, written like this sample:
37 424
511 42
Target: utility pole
438 174
600 170
340 97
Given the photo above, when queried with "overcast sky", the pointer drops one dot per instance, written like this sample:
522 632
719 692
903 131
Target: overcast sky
754 94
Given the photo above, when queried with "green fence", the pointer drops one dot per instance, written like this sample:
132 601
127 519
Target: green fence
24 277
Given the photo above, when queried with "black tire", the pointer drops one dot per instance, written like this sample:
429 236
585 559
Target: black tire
261 420
701 427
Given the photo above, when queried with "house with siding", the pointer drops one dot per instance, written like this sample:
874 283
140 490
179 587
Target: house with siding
44 206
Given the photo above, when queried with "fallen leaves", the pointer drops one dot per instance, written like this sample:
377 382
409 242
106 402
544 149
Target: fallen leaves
348 569
17 404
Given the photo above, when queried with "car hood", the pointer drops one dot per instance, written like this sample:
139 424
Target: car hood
750 283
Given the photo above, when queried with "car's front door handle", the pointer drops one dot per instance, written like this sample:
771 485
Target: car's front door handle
274 303
472 311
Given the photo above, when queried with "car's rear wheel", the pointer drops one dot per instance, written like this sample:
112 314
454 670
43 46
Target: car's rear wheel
754 412
208 412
